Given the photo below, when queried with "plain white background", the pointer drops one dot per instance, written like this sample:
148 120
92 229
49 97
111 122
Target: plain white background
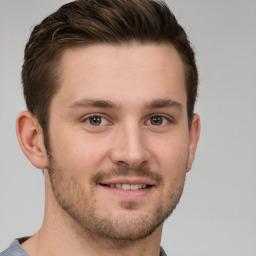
217 212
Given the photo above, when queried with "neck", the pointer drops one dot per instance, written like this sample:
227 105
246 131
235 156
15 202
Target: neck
61 235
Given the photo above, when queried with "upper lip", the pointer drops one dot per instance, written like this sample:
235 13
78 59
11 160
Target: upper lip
130 180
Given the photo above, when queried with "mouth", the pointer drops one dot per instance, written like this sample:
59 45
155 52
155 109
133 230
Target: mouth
128 188
124 186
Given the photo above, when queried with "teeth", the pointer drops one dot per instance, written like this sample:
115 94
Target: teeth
134 186
118 185
128 186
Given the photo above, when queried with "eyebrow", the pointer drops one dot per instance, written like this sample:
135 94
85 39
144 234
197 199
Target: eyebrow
156 103
163 103
93 103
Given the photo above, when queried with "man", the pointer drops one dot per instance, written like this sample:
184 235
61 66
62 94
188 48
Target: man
110 88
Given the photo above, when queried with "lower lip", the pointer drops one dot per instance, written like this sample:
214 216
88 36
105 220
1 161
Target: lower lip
129 194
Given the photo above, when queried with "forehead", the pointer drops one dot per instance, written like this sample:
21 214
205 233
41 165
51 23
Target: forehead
122 72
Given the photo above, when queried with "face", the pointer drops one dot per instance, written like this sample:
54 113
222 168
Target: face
119 138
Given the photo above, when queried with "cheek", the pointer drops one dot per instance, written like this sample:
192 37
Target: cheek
173 166
76 151
172 154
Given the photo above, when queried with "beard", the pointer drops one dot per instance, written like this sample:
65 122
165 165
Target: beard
129 225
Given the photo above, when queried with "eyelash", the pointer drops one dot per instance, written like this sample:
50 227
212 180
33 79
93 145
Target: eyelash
163 121
88 119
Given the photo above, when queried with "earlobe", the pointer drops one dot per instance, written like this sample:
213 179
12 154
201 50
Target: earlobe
31 140
193 140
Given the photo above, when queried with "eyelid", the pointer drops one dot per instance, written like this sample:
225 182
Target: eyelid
166 117
85 118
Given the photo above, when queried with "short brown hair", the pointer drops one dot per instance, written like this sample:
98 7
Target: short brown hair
86 22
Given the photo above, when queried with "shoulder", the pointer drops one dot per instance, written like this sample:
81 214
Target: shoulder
162 252
15 249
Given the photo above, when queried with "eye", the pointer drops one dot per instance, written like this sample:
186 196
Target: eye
96 120
157 120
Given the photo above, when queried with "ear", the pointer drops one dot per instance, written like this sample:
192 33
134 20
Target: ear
31 139
193 140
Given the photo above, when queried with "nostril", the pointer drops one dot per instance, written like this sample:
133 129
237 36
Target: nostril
122 164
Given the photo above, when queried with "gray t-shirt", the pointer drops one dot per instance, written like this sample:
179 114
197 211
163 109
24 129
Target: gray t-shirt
15 249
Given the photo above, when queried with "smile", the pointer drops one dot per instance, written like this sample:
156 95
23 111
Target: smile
127 186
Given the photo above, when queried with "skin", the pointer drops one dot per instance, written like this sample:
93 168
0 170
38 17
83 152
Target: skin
119 117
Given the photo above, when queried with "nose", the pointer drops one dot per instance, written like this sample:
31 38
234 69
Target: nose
129 147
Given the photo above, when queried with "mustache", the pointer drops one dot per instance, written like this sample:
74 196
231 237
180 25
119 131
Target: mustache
142 172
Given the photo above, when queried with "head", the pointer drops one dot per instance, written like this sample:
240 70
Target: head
84 23
112 85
